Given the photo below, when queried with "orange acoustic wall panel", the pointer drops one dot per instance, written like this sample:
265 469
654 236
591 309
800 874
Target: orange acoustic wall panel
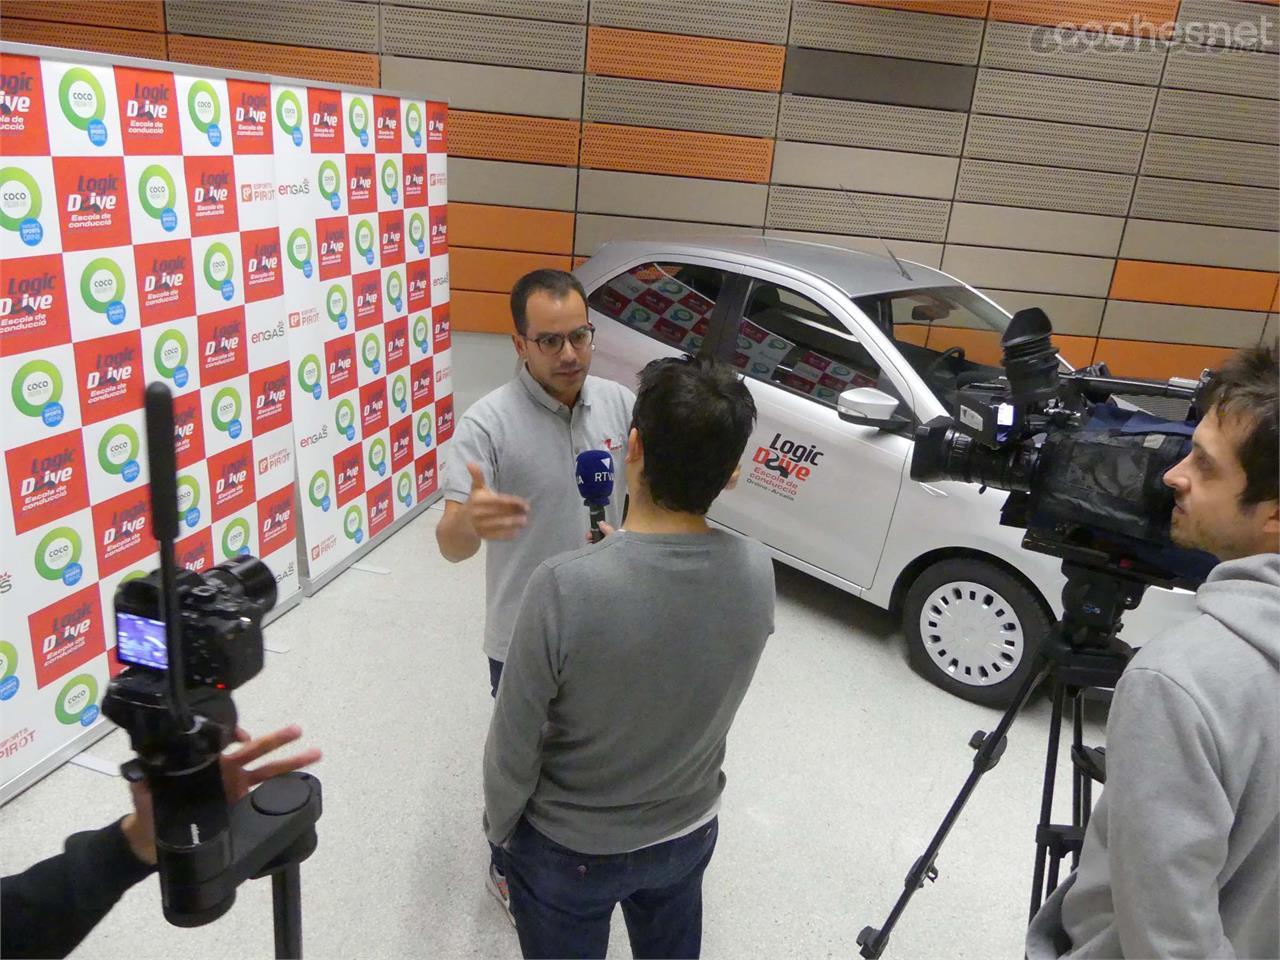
1158 361
496 271
953 8
129 15
332 66
682 153
1179 283
1082 12
510 228
666 56
500 136
474 312
122 43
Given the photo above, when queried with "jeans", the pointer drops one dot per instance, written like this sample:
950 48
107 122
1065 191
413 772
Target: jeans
495 674
562 900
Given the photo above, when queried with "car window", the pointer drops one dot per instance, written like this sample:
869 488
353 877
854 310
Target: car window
787 339
669 301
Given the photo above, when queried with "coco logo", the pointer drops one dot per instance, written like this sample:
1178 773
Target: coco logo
336 304
318 490
371 352
426 424
37 392
84 104
344 418
8 663
219 268
422 334
418 232
77 701
289 115
353 523
329 180
309 372
189 500
390 180
102 288
205 110
395 290
57 556
20 203
400 392
118 452
365 236
413 123
225 412
358 119
156 193
170 357
299 249
378 456
404 488
235 539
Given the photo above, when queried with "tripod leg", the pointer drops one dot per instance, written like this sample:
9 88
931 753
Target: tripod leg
1046 797
286 902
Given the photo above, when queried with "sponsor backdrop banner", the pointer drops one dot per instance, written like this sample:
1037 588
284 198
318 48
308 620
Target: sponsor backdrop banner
278 256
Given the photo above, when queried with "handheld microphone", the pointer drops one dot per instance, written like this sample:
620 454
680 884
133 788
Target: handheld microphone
595 482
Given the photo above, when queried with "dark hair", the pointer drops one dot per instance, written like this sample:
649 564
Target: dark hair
694 417
1246 386
558 283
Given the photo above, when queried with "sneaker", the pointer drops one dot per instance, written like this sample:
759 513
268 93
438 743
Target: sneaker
496 884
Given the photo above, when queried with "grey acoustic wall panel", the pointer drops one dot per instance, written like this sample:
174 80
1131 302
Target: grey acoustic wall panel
1251 26
1195 243
333 24
764 21
1163 323
680 106
512 184
1018 140
672 198
877 125
1032 272
1227 117
1065 99
1271 333
1074 316
1220 161
593 229
1038 49
414 32
564 11
470 86
853 76
1186 201
911 251
837 211
885 33
874 171
1026 229
1223 71
1044 188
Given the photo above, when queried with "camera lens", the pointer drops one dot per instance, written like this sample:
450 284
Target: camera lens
247 577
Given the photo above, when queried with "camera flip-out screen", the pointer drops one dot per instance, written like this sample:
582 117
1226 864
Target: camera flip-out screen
140 641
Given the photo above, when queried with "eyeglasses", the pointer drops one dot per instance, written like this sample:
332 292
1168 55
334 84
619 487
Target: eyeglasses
552 343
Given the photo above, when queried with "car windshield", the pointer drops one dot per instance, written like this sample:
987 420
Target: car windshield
949 335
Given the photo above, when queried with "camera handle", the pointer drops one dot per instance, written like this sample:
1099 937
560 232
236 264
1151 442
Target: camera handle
1080 653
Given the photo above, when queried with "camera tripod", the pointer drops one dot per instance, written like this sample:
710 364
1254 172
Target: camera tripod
1082 652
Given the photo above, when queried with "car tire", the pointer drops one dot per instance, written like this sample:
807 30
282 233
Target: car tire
974 629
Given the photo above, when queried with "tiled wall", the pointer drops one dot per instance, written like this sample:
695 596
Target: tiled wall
1132 193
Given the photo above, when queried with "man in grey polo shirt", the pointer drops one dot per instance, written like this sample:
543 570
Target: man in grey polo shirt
509 481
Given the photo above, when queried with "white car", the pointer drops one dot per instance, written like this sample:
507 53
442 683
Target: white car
829 494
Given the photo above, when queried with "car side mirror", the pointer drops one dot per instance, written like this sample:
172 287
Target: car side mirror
869 407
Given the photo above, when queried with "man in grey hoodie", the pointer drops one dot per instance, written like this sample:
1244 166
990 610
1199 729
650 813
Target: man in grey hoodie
1182 854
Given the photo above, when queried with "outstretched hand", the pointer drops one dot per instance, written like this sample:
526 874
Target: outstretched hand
493 515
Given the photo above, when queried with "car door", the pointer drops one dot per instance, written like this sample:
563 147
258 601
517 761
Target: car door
812 486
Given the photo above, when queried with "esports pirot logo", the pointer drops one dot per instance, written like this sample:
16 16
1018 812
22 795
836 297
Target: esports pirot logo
84 103
102 289
237 539
318 491
33 304
290 115
20 203
783 465
358 119
164 288
57 556
189 496
157 194
36 392
118 452
329 183
310 373
23 129
204 109
121 528
220 269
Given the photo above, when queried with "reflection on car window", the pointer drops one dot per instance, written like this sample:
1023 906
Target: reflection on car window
786 339
670 302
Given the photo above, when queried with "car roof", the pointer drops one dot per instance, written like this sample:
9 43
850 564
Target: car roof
856 274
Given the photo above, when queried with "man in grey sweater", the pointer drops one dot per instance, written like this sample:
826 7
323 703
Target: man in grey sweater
629 659
1182 854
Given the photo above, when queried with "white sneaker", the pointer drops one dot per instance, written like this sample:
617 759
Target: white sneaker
496 884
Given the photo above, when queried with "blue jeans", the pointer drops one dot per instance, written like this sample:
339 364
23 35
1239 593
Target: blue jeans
562 900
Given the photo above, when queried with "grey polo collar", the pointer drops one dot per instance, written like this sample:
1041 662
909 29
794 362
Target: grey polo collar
539 393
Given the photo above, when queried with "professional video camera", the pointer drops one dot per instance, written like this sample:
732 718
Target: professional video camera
1085 471
189 641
